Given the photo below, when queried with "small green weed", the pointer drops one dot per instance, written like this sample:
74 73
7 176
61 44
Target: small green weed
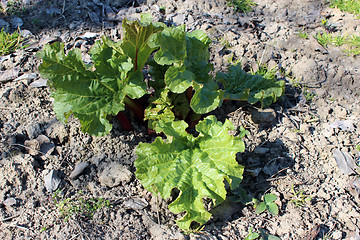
324 39
241 5
339 40
265 71
353 47
82 206
298 198
45 228
9 42
303 34
252 235
358 147
352 6
351 43
266 204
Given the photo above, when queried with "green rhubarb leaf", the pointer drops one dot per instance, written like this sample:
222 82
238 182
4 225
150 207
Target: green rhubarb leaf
242 86
172 45
135 40
90 94
160 109
206 98
187 55
196 166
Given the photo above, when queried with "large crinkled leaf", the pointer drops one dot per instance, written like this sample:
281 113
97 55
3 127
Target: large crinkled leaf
196 166
135 41
165 106
90 95
160 109
242 86
187 56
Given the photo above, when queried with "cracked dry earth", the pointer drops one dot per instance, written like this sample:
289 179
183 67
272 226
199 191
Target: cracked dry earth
293 144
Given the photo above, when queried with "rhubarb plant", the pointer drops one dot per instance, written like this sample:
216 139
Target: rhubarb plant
196 166
179 89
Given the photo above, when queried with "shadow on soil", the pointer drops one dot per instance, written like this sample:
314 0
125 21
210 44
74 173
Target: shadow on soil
44 15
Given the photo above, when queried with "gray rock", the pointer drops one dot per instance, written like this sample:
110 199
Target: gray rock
179 19
9 74
16 22
26 76
33 130
33 147
261 150
79 168
114 174
39 83
52 181
9 202
46 145
263 116
89 35
136 203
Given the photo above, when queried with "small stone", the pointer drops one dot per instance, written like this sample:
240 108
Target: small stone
39 83
46 145
52 181
33 130
9 74
16 22
79 168
179 19
136 203
114 174
33 147
26 76
337 235
9 202
89 35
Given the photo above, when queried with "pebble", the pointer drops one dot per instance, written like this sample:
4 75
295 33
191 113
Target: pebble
136 203
16 22
52 181
9 74
79 168
39 83
9 202
33 130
